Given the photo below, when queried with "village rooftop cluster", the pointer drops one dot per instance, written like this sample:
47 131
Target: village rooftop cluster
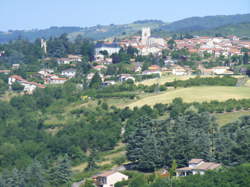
146 45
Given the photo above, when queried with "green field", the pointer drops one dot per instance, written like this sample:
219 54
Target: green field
170 78
163 79
229 117
197 94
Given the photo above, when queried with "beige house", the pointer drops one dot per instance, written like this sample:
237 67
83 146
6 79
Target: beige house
109 178
179 71
197 166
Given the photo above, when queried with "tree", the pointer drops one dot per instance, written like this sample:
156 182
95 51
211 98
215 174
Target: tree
35 175
60 172
138 181
144 145
17 87
132 51
172 170
104 53
115 58
92 161
96 81
171 44
88 183
245 58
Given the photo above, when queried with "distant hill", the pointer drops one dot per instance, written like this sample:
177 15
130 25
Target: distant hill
36 33
107 31
241 30
196 25
204 23
96 32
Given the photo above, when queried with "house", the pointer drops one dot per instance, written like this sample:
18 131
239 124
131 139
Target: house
75 58
197 166
178 70
125 77
111 48
221 70
29 87
53 79
45 72
154 67
108 83
91 75
99 67
109 178
6 72
2 53
70 73
15 66
61 61
137 68
152 72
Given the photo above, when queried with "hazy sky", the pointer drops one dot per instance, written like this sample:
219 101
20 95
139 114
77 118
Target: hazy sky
28 14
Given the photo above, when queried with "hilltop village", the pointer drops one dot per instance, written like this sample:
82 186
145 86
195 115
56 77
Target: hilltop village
143 57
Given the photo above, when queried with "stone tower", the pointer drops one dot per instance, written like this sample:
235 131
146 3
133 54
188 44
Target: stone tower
44 45
146 33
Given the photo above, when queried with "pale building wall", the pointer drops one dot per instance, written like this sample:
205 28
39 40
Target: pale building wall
114 178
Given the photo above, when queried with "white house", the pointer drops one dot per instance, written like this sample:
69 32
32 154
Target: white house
55 80
110 48
15 66
63 61
197 166
109 178
219 70
45 72
125 77
29 87
70 73
152 72
178 70
75 58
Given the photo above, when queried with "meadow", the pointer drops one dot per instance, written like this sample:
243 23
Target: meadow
194 94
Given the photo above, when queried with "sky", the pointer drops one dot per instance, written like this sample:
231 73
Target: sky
39 14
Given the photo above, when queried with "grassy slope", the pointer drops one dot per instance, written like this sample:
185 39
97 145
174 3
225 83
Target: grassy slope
111 31
170 78
107 158
226 118
164 79
199 94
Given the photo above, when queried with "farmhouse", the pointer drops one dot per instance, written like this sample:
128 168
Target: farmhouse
197 166
109 178
29 87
